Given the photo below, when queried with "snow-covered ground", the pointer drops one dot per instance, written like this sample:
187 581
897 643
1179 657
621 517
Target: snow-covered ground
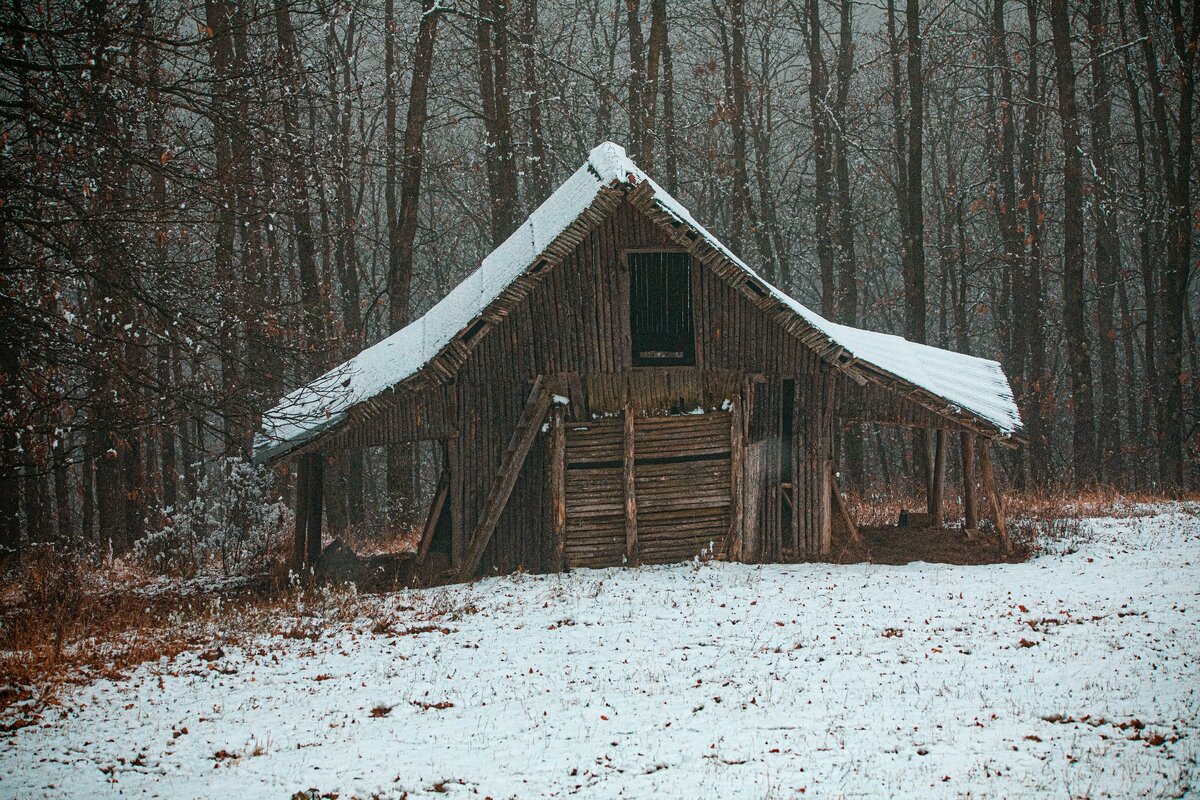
1074 675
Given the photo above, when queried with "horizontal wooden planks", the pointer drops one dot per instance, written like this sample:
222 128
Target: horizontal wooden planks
680 484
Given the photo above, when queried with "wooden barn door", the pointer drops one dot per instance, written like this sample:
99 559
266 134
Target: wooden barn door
679 481
595 496
682 485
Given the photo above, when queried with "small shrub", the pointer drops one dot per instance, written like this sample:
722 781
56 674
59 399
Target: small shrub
1048 535
230 526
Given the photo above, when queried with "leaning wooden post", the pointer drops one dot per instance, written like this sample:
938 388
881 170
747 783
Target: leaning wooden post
511 463
316 494
989 486
854 536
937 486
435 514
558 486
631 543
970 501
299 547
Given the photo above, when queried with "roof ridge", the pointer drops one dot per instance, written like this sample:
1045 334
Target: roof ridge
323 403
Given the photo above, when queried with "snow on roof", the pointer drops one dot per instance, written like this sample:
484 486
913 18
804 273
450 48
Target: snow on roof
974 385
967 383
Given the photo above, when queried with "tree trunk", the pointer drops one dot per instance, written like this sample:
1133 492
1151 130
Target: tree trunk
914 247
491 38
1030 385
312 332
349 469
10 468
538 166
847 305
1150 417
226 146
1006 202
402 235
654 56
637 78
1107 247
818 103
669 143
1079 363
734 45
1179 228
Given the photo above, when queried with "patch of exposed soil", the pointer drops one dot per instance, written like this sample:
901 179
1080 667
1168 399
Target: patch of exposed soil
896 545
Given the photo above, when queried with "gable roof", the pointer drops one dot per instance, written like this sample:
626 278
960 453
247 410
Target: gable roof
952 384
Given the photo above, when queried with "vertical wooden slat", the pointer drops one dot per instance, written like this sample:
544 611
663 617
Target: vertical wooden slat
805 406
316 496
813 440
937 484
558 486
631 554
797 466
970 500
699 313
454 455
824 489
733 548
303 501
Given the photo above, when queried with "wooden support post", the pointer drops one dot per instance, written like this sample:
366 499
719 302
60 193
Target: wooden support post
558 486
435 514
299 547
937 486
970 500
806 405
316 494
797 492
737 455
506 477
989 486
454 463
631 543
824 509
923 458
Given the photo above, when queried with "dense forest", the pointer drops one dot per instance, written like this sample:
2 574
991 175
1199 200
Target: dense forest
205 204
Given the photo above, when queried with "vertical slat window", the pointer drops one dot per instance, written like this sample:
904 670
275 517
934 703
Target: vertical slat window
661 309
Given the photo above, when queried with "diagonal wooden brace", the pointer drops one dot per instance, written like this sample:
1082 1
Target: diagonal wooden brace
506 477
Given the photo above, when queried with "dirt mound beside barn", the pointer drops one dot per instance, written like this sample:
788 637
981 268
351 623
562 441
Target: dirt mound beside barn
896 545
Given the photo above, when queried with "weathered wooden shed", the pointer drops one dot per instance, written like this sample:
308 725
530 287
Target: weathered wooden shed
614 386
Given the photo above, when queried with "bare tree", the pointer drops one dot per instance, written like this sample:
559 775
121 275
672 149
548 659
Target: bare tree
1074 312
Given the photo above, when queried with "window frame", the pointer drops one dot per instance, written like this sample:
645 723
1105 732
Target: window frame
635 361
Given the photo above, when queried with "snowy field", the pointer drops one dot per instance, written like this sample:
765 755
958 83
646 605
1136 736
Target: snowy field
1074 675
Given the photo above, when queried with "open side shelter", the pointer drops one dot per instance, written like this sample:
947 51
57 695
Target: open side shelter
615 386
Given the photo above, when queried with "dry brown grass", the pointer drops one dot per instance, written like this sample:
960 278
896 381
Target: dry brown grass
65 622
1099 501
366 540
880 508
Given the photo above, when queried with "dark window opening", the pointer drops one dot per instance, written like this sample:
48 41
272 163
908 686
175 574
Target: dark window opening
660 316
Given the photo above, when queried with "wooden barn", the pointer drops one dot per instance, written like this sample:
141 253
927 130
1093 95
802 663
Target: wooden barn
614 386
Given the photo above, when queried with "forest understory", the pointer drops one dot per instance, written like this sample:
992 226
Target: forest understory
69 618
206 205
1069 673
